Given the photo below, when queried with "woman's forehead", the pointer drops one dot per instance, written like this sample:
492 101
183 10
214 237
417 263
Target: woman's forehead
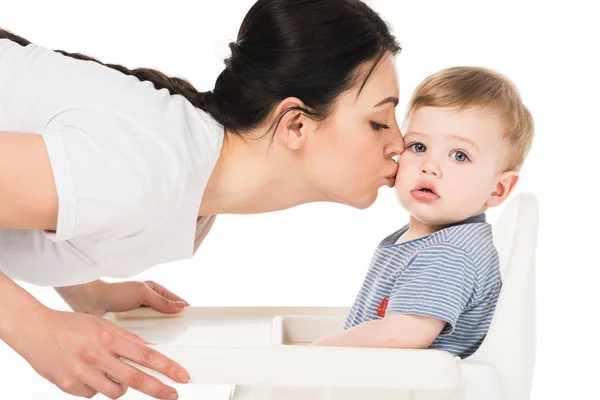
381 83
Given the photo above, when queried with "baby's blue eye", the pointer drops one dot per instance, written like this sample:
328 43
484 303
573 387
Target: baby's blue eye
418 147
459 156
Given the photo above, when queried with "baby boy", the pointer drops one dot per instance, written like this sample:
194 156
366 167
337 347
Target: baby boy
435 282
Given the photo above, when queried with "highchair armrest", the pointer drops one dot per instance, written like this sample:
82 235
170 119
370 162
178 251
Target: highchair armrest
316 366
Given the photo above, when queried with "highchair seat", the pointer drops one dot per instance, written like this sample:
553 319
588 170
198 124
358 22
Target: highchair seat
262 352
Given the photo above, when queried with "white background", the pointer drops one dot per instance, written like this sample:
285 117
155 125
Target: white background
317 254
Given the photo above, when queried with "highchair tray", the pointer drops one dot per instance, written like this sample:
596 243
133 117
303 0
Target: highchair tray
271 346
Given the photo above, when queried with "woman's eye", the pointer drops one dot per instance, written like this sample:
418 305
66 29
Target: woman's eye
418 147
459 156
377 126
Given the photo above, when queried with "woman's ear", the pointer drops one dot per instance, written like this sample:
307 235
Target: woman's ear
294 126
505 184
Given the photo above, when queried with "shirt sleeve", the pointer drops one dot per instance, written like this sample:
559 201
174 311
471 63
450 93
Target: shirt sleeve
438 283
101 166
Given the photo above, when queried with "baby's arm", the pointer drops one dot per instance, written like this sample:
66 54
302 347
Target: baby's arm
396 330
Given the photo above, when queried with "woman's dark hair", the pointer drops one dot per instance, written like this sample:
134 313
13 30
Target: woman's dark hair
308 49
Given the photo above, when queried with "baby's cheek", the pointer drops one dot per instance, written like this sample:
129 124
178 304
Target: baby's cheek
485 179
405 165
407 175
400 178
476 191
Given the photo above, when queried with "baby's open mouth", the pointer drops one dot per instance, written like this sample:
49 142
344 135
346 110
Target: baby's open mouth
425 187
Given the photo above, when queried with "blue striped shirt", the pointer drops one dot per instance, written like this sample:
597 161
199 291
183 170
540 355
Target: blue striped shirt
452 275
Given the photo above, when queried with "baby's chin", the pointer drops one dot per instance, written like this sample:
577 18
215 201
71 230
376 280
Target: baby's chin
432 220
435 218
431 215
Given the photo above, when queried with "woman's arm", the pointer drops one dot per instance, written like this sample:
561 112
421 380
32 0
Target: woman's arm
28 198
16 308
83 298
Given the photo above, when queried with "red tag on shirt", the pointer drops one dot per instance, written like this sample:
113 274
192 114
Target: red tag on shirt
382 307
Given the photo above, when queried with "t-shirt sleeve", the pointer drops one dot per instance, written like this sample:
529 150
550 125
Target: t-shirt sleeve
438 283
101 171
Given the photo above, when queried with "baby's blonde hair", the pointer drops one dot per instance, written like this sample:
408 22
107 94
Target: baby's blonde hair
467 87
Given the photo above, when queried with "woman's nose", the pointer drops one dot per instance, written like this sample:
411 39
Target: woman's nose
395 146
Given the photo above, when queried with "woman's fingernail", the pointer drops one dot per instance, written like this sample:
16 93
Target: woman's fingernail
183 377
180 304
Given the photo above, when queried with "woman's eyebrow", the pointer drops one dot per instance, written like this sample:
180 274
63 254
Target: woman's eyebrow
391 99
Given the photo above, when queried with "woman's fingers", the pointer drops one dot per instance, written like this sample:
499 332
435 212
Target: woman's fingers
138 380
150 358
105 385
117 375
164 292
158 302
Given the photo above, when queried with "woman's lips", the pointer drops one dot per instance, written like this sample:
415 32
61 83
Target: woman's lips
391 178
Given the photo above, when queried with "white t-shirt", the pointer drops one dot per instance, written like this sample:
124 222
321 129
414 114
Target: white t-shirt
130 164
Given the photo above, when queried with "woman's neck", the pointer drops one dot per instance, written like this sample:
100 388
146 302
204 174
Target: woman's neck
255 175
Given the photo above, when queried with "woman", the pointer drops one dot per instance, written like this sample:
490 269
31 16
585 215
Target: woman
106 171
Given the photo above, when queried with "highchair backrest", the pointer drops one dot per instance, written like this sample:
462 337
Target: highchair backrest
510 342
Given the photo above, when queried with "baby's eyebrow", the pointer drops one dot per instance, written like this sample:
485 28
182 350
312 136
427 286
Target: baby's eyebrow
412 133
466 140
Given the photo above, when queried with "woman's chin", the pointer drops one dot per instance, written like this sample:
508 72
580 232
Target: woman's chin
365 201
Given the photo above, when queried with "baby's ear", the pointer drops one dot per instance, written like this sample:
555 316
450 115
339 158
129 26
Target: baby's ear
505 184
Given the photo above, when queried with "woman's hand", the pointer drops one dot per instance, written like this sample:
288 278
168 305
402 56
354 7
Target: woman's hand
80 354
125 296
100 297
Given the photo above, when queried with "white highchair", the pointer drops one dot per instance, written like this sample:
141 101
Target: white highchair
262 351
